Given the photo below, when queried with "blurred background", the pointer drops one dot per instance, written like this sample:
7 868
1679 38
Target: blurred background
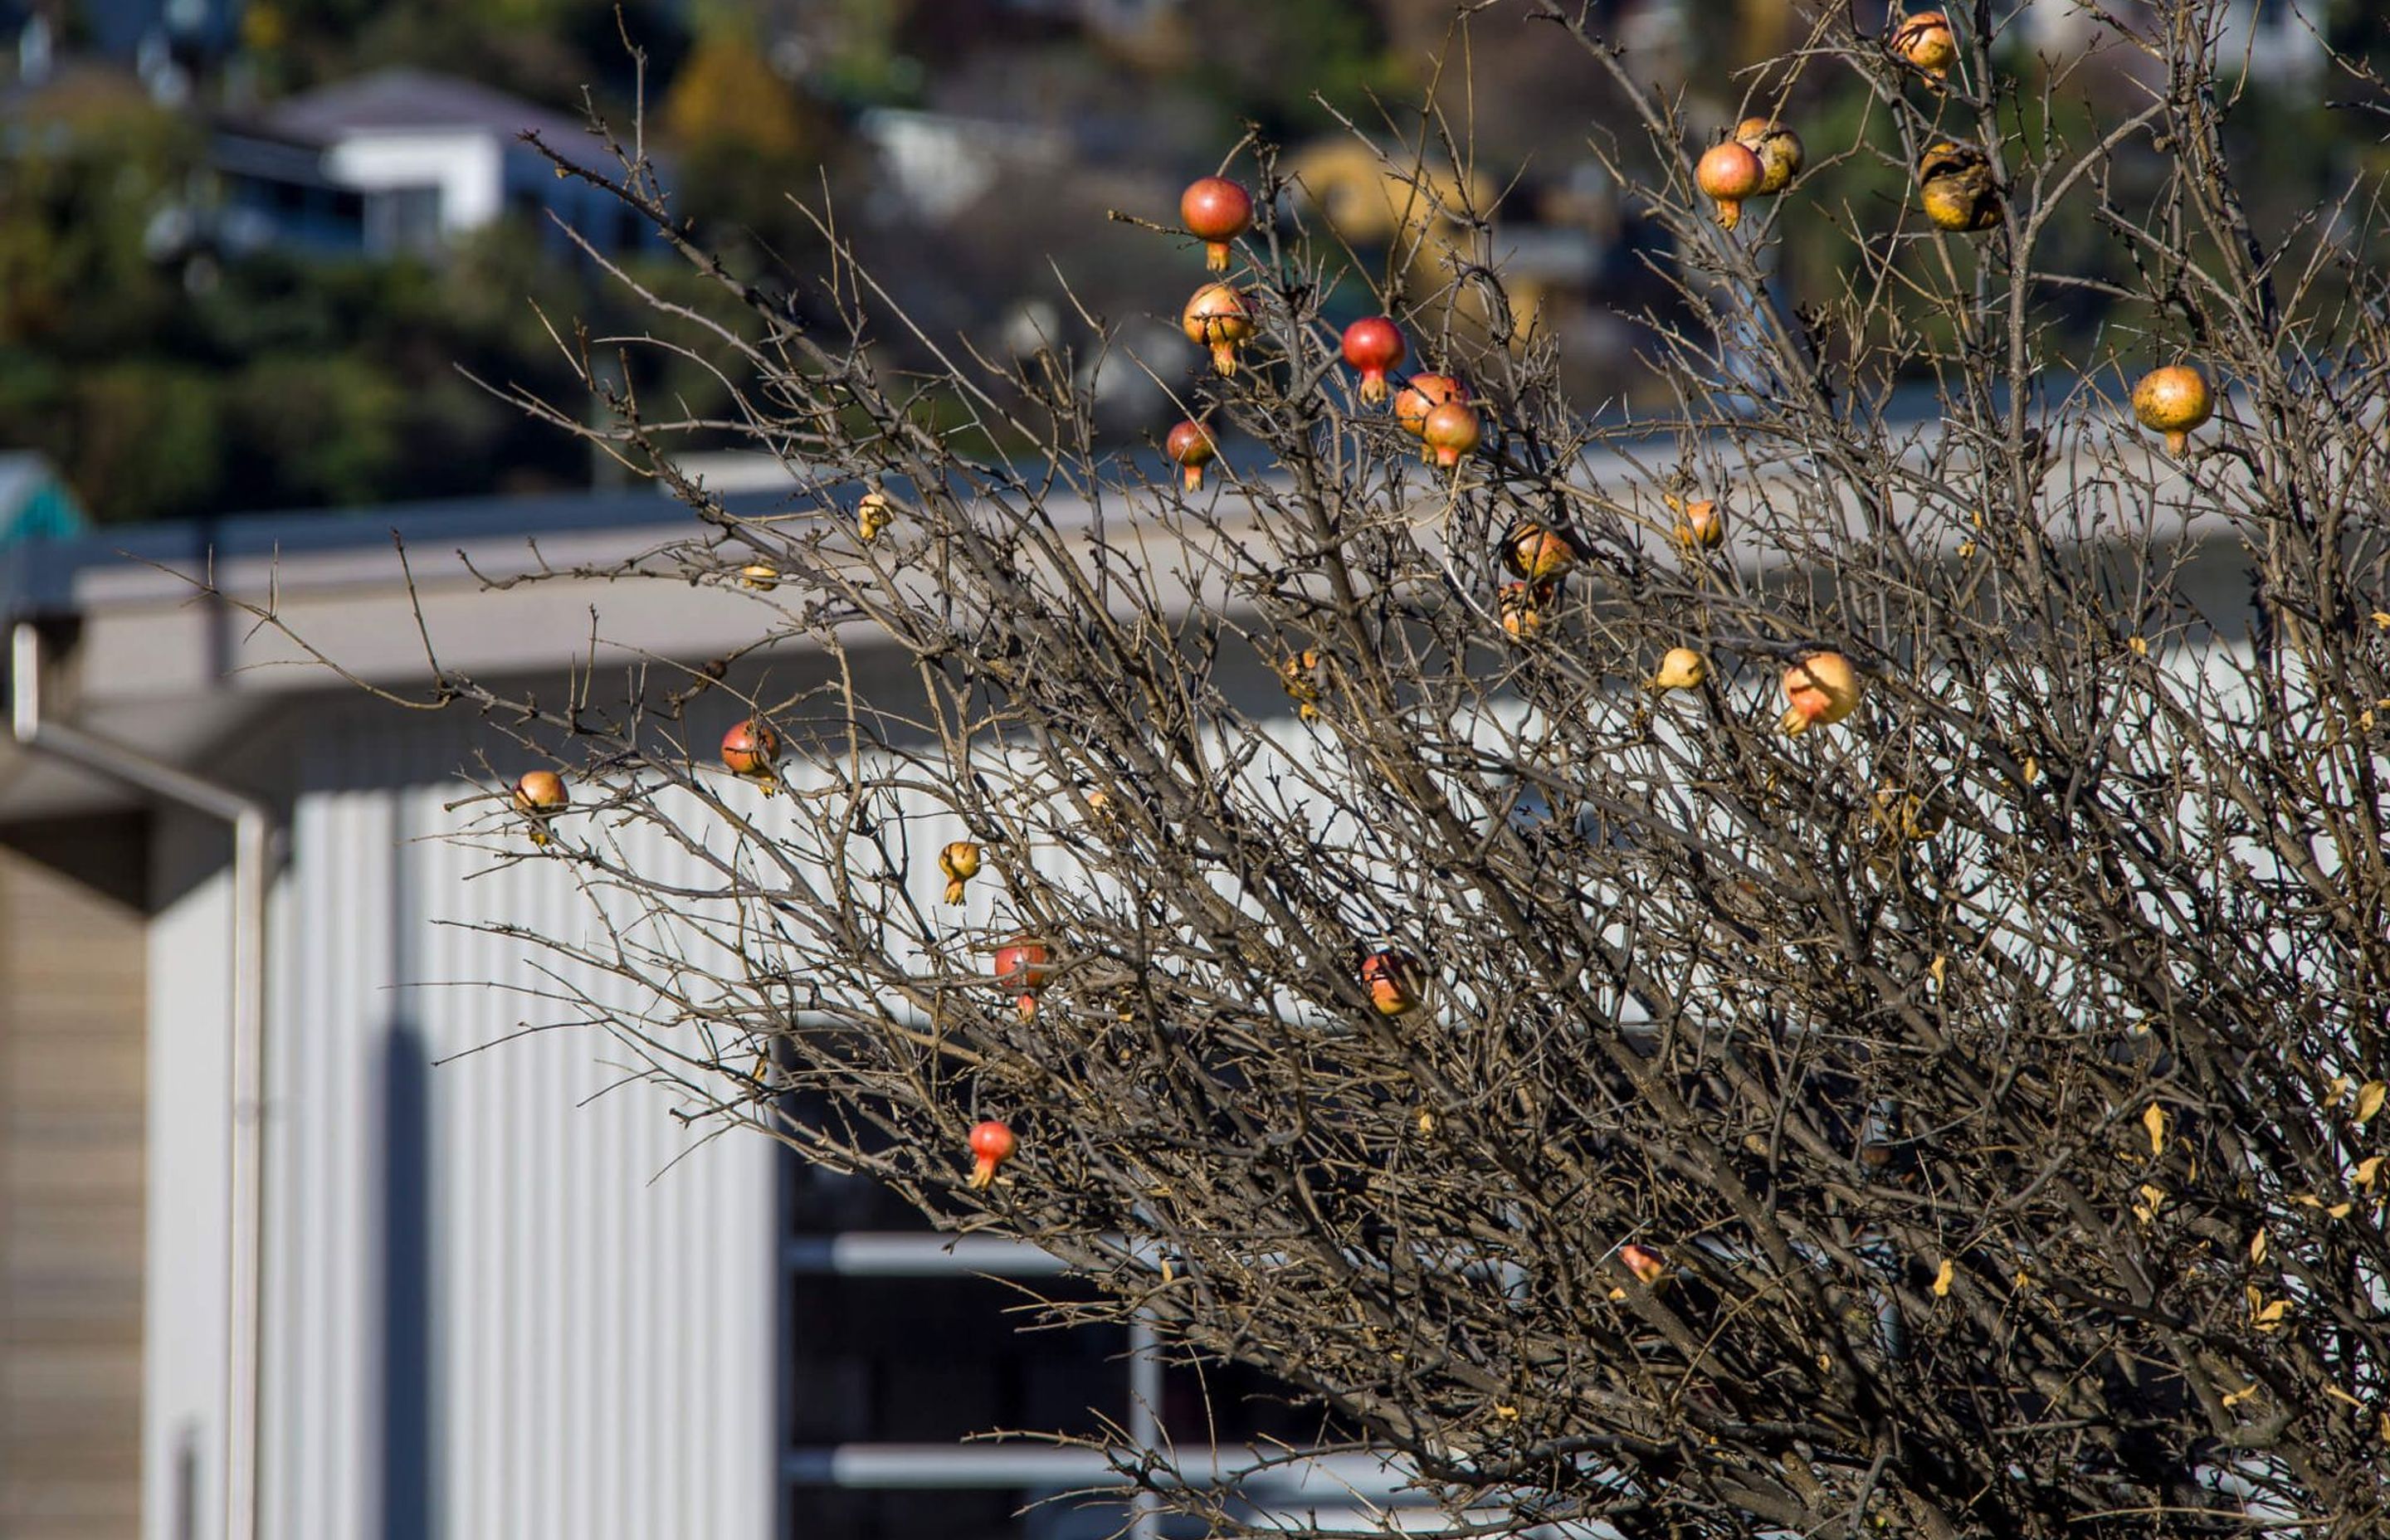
246 246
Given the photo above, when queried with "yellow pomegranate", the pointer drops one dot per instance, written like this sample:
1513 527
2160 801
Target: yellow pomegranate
1727 174
1700 524
1780 150
1681 669
2173 400
1956 185
1925 40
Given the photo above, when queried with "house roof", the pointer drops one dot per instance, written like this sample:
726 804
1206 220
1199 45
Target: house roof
416 101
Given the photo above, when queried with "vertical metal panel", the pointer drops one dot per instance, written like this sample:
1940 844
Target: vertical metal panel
600 1310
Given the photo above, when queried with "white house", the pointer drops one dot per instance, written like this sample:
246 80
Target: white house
405 160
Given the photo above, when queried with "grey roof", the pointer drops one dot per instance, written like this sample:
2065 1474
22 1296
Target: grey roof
399 100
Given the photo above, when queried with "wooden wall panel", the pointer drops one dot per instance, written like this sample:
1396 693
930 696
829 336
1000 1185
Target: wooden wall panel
72 1002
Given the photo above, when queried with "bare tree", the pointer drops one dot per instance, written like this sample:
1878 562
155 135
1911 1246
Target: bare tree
1911 1061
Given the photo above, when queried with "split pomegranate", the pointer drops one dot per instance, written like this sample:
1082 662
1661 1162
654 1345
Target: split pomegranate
1221 318
960 862
1820 689
992 1144
762 576
749 749
1192 444
1373 346
1727 174
872 515
1392 978
1780 150
1021 965
1925 41
2173 400
1449 433
1217 212
1533 552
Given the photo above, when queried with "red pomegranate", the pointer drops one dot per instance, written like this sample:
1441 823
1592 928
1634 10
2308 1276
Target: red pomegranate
992 1144
1521 605
1449 433
1392 978
1192 444
749 749
1925 41
1727 174
1373 346
1423 394
1221 318
1216 211
1021 965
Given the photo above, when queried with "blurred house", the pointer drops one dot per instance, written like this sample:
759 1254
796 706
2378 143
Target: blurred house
400 161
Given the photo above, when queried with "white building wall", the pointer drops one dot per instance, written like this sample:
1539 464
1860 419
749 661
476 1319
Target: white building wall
584 1344
467 166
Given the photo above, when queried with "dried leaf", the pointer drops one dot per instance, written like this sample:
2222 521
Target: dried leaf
2370 1100
2155 1121
2338 1394
1942 1280
2340 1210
2234 1398
2306 1199
2368 1170
2257 1247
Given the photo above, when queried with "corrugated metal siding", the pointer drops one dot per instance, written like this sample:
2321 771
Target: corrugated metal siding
595 1332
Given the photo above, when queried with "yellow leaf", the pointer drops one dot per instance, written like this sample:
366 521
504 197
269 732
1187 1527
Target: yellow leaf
2271 1316
2337 1088
2024 1279
1941 966
1966 548
2154 1119
2382 619
2234 1398
1942 1280
2385 1427
2368 1169
2257 1247
2370 1100
2032 768
2338 1394
2141 646
2340 1210
2154 1196
2306 1199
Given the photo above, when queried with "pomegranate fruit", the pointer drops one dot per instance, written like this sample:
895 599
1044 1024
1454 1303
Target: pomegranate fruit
1822 688
1780 150
1521 605
960 862
873 514
1728 173
2173 400
1956 187
539 795
1538 554
1681 669
1020 965
1449 433
1700 524
1647 1264
1217 212
1423 394
1221 318
1926 42
1392 979
749 749
1373 346
1192 444
992 1144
